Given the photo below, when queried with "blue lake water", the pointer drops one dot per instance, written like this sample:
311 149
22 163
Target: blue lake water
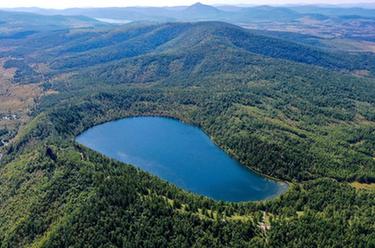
180 154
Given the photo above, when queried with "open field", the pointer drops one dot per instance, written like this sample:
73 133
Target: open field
16 100
349 35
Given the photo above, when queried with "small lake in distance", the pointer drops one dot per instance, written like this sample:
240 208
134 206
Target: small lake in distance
180 154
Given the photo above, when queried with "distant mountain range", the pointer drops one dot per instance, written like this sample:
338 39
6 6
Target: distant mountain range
18 21
202 12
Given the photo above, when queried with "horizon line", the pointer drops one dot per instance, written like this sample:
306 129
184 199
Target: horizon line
241 5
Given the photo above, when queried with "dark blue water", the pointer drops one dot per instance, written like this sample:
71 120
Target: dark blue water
180 154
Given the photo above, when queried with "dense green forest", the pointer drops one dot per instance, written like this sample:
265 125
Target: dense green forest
290 111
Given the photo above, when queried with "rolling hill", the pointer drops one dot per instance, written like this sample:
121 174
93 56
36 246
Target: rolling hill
82 48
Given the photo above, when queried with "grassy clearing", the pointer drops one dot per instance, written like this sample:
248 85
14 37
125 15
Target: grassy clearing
363 186
16 99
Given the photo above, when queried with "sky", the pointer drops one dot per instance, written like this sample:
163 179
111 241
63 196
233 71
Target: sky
60 4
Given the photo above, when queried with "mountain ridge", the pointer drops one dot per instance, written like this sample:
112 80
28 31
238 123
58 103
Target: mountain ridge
236 14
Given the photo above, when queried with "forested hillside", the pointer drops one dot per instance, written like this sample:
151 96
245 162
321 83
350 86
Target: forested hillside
287 110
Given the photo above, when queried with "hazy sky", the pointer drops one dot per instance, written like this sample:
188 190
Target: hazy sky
106 3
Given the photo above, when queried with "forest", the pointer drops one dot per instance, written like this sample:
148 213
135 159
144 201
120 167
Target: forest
286 110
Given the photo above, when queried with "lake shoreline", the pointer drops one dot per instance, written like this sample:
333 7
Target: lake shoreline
279 186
